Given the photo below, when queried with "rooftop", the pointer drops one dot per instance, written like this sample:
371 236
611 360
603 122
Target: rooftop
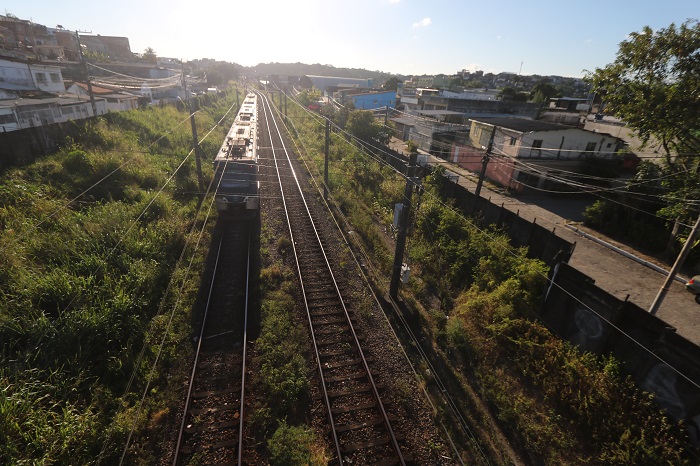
522 125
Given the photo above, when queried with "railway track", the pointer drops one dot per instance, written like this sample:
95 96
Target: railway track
211 431
359 424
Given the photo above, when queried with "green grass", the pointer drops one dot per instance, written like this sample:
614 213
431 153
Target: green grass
477 296
83 282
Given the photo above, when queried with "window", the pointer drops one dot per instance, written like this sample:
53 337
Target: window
41 78
609 144
7 118
512 141
55 78
590 147
537 143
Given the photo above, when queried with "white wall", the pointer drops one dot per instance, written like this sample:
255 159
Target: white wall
16 73
566 144
48 78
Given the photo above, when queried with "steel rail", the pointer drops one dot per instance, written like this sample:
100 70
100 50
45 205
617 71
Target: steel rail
375 391
188 399
177 455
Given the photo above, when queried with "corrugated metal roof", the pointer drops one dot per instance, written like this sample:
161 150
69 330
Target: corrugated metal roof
51 100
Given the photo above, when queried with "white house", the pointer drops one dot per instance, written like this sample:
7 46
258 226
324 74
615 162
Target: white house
23 76
115 101
521 138
532 153
20 113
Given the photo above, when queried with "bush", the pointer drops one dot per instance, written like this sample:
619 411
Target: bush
292 446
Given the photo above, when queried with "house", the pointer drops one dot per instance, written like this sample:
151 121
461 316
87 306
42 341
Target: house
473 103
434 131
16 75
112 46
114 101
570 111
21 113
24 34
430 81
534 154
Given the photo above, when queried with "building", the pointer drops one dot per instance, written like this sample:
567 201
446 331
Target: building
25 34
570 111
372 100
114 101
34 95
322 83
112 46
535 154
433 131
16 75
21 113
430 81
69 41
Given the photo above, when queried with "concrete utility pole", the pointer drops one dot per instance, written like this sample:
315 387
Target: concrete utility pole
484 163
83 62
674 270
325 163
197 152
403 227
195 138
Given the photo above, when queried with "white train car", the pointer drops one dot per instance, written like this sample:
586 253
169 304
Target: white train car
236 164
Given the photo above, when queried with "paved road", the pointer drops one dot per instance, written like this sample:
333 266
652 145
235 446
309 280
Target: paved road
613 272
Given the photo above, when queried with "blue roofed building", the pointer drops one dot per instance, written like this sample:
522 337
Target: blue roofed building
372 100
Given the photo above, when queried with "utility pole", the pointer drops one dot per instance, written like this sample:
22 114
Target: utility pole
195 138
83 62
325 164
402 227
674 270
197 151
484 163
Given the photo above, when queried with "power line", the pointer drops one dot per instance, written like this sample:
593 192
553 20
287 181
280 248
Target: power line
551 283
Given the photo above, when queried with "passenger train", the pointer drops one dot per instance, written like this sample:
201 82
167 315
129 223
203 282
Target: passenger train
236 163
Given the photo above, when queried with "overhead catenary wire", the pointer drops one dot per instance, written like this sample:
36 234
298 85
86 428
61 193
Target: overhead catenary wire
173 310
611 324
451 403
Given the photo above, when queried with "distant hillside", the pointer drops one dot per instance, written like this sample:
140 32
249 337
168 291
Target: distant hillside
301 69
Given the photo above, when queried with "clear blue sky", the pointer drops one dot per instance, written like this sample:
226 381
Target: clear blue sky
548 37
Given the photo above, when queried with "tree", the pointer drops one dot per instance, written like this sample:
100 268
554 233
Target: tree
362 125
149 55
542 91
391 84
308 96
654 86
508 93
214 78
